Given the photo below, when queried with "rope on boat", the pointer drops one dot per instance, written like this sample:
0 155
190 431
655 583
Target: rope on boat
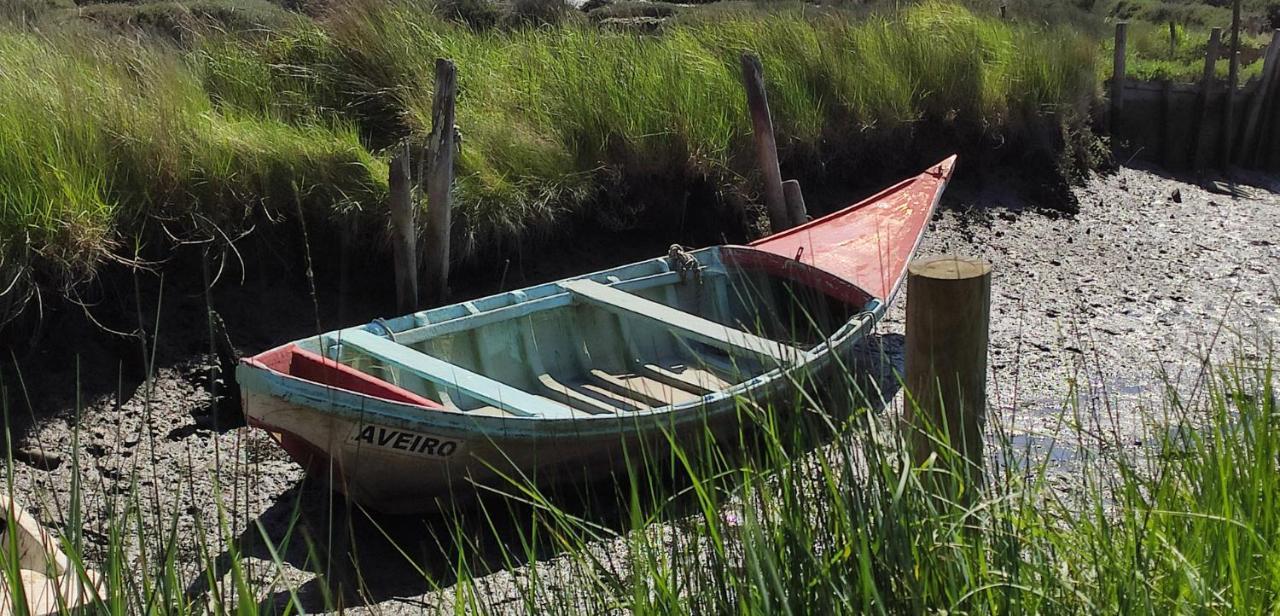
386 327
684 263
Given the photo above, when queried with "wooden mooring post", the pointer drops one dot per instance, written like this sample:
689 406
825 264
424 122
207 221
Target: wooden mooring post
796 210
948 314
766 147
1117 82
441 152
404 230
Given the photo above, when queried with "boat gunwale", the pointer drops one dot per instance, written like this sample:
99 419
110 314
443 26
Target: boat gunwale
557 299
355 406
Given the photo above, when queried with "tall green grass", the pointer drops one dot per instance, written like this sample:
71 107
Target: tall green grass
554 118
104 139
1148 55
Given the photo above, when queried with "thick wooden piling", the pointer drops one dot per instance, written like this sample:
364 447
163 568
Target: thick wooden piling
403 230
1117 81
948 311
441 151
766 146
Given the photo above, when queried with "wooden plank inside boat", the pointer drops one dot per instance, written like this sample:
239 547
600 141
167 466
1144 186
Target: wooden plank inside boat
650 392
682 323
482 388
583 399
692 380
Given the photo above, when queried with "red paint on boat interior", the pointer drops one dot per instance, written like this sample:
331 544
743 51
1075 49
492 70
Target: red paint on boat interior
796 271
297 362
869 243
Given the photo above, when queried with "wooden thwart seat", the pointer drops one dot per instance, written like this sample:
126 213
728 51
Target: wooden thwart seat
697 382
647 391
453 378
682 323
583 398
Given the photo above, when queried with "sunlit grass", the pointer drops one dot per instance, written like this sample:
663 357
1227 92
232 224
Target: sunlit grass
107 138
551 117
104 138
1148 54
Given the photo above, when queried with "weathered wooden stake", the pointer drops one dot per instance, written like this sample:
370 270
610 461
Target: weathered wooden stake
403 230
441 150
766 147
1233 82
1117 81
1173 39
1253 114
796 210
948 310
1207 81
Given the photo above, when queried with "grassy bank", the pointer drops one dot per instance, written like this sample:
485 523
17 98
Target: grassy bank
559 119
107 139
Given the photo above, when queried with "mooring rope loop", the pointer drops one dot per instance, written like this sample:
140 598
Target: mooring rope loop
684 263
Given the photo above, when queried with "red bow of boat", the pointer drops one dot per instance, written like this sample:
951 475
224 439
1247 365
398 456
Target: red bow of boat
869 243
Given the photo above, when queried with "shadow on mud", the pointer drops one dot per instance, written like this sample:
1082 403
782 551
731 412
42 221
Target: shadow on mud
360 557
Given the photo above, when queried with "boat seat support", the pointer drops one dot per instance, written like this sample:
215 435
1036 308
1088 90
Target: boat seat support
682 323
455 379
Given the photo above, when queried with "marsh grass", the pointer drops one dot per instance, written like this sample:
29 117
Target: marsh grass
554 118
108 140
1148 53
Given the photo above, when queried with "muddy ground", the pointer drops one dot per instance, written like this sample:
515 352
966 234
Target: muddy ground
1105 308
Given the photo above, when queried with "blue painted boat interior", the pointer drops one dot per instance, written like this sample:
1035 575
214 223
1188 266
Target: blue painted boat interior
608 345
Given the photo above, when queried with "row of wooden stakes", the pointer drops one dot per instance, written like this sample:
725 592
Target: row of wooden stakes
1240 134
784 200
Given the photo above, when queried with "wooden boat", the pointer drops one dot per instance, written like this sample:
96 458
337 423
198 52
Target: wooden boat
50 583
563 379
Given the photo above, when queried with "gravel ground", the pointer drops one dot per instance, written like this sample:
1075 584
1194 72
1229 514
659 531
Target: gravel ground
1108 307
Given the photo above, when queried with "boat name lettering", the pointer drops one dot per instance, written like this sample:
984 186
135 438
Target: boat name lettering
412 443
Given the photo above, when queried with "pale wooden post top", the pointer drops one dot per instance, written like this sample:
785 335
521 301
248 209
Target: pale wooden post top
949 267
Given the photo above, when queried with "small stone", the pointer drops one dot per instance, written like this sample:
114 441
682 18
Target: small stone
38 458
1177 195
